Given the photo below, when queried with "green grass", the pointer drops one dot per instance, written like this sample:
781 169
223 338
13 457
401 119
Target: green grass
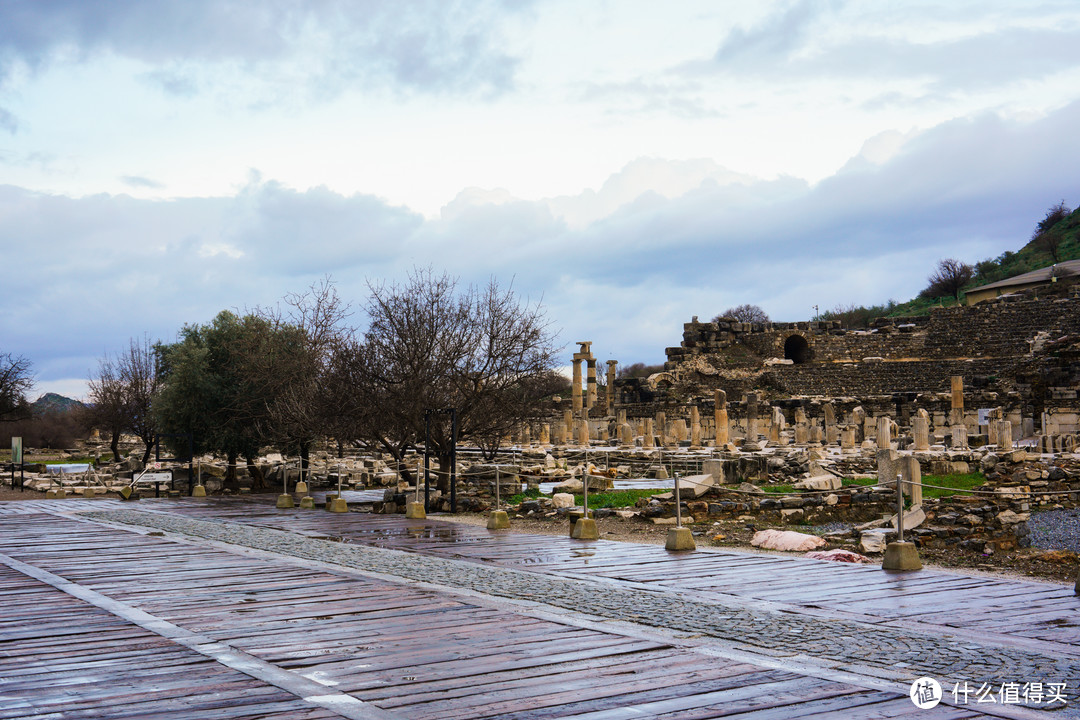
522 497
959 482
777 489
616 498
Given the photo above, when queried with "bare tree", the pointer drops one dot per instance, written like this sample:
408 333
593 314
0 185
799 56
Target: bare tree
949 278
122 394
429 346
744 313
16 380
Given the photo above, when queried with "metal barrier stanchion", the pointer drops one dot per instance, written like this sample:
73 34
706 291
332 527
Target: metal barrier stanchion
415 510
285 500
585 527
679 537
498 520
900 555
199 490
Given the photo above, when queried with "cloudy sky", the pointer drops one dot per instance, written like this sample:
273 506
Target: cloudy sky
629 163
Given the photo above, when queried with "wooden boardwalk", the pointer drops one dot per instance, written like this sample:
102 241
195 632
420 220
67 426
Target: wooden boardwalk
103 622
1009 610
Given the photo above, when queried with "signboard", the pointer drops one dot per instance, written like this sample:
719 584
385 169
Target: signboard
155 477
984 416
16 451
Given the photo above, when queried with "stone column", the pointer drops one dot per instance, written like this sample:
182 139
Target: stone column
626 434
648 435
884 436
695 427
575 388
545 434
661 427
1004 436
831 432
956 414
611 364
920 428
847 437
590 396
858 420
751 416
583 432
723 427
568 424
678 430
959 437
802 434
776 426
800 416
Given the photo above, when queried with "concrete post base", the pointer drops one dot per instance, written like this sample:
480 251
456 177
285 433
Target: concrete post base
307 503
285 502
126 493
51 494
901 556
585 529
88 492
198 491
498 520
61 493
680 538
301 487
330 497
415 511
338 505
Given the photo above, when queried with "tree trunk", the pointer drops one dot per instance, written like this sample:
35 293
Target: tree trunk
258 479
115 446
444 473
147 452
340 449
231 482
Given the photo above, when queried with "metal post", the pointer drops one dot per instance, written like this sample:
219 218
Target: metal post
190 465
427 461
498 502
285 480
678 503
900 507
585 489
453 460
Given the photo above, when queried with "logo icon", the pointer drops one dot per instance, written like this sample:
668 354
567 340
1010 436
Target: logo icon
925 693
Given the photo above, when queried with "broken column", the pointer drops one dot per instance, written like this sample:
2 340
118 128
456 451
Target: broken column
723 427
545 434
626 434
695 427
776 426
751 416
847 437
590 379
920 429
832 434
661 427
648 435
678 430
956 414
959 437
611 385
568 427
1004 436
575 387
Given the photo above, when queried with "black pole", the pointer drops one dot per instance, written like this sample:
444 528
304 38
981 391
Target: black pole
190 465
427 460
453 460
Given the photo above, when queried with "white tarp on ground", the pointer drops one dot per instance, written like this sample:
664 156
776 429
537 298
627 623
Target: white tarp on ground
68 468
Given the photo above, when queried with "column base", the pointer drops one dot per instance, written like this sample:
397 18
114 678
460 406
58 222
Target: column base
307 503
901 556
338 505
585 529
198 491
284 502
680 538
415 511
301 487
498 520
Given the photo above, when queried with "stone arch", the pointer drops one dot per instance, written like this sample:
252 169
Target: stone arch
660 380
797 349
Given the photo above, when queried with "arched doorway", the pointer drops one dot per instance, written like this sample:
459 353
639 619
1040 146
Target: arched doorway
797 349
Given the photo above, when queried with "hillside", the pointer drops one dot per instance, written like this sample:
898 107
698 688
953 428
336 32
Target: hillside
1062 236
51 402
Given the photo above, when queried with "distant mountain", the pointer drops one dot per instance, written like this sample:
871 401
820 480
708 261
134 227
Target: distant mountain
51 402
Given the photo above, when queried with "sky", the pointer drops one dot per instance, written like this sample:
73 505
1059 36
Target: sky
628 164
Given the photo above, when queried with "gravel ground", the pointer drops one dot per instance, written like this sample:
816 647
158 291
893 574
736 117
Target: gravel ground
1055 530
